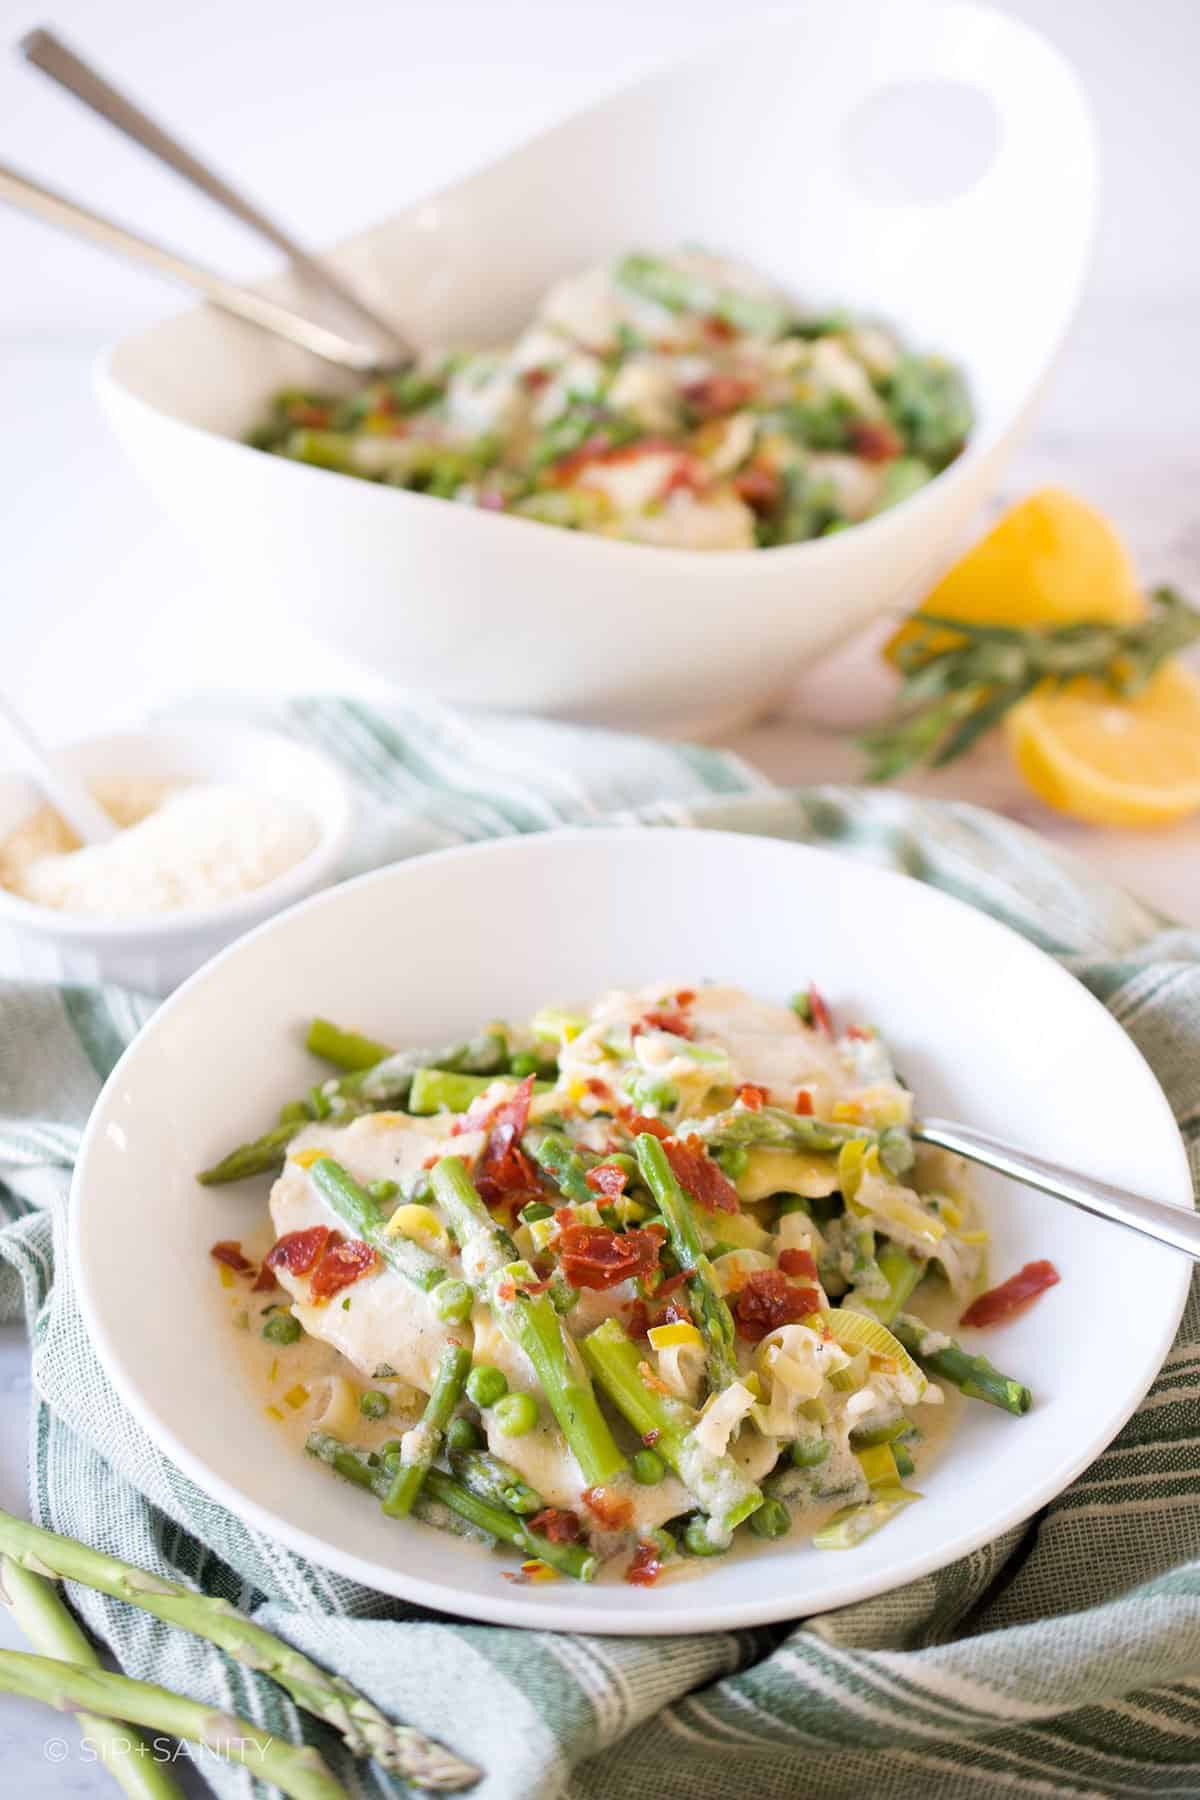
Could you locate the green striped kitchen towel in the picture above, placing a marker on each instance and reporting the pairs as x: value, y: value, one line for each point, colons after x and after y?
x: 1062, y: 1660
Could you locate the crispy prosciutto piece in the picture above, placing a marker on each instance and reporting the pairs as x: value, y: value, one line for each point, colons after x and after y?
x: 1012, y: 1296
x: 821, y: 1017
x: 503, y: 1169
x: 592, y: 1256
x: 875, y: 440
x: 767, y: 1300
x: 345, y: 1261
x: 608, y: 1180
x: 555, y: 1523
x: 646, y: 1566
x: 713, y: 396
x: 635, y: 1123
x: 613, y: 1511
x: 229, y: 1252
x: 699, y: 1176
x: 752, y: 1097
x: 299, y: 1251
x: 799, y: 1262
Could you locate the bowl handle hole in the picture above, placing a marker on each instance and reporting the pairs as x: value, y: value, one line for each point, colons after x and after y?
x: 921, y: 142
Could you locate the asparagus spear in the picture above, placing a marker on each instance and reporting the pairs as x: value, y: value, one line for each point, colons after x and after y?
x: 713, y: 1318
x: 352, y: 1203
x: 365, y: 1469
x: 975, y: 1375
x: 563, y: 1165
x: 50, y: 1628
x: 345, y: 1049
x: 490, y: 1265
x: 491, y: 1521
x: 495, y: 1481
x: 902, y: 1272
x: 424, y: 1442
x: 717, y: 1483
x: 773, y: 1128
x: 386, y: 1083
x: 366, y: 1731
x: 71, y: 1687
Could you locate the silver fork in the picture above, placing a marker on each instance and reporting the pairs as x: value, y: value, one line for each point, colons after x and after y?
x: 1173, y: 1225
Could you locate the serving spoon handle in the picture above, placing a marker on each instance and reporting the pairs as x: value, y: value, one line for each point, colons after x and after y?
x: 1172, y: 1225
x: 55, y: 209
x: 48, y: 53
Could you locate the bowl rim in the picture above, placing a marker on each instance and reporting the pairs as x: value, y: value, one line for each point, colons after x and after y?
x: 290, y: 885
x: 980, y: 444
x: 510, y: 1608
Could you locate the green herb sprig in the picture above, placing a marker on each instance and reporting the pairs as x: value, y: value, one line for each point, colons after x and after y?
x: 953, y: 693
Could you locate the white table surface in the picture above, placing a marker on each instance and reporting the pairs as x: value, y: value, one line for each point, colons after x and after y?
x: 105, y: 612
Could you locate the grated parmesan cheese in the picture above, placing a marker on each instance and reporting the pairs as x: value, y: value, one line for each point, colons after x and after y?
x: 182, y: 846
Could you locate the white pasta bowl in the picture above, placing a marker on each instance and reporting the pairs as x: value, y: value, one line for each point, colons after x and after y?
x: 985, y: 1028
x: 933, y: 164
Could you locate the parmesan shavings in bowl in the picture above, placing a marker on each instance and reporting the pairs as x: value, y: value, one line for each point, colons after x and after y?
x: 186, y: 846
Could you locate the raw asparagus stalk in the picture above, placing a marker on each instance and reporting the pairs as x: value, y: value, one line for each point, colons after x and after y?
x: 975, y: 1375
x: 713, y: 1318
x: 297, y: 1770
x: 352, y: 1203
x: 717, y: 1483
x: 345, y: 1049
x: 366, y: 1730
x: 386, y: 1083
x: 490, y: 1265
x: 495, y: 1481
x: 441, y: 1489
x: 425, y: 1441
x: 51, y: 1629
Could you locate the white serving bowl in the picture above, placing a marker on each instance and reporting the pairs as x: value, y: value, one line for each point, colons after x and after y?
x: 823, y: 148
x: 984, y: 1026
x: 155, y: 953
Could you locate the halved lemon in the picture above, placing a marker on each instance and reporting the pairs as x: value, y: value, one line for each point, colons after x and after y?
x: 1113, y: 762
x: 1052, y: 560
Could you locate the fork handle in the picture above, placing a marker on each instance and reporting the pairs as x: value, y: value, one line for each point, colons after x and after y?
x: 1174, y: 1225
x: 56, y: 59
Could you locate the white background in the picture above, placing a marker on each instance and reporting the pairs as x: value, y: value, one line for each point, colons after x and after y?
x: 332, y: 115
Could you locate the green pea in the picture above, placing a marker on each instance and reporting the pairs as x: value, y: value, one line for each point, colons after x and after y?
x: 810, y: 1452
x: 374, y: 1404
x: 734, y: 1160
x: 485, y: 1384
x: 648, y: 1468
x: 391, y: 1447
x: 772, y: 1520
x: 801, y: 1005
x: 383, y: 1190
x: 515, y: 1414
x: 452, y: 1302
x: 696, y: 1540
x: 794, y: 1203
x: 463, y: 1434
x: 281, y: 1328
x: 523, y: 1063
x: 662, y: 1540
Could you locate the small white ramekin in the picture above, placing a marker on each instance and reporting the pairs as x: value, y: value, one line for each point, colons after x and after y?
x: 157, y: 951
